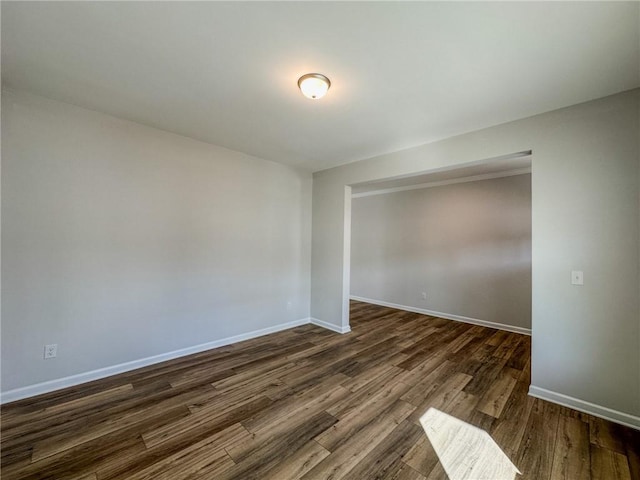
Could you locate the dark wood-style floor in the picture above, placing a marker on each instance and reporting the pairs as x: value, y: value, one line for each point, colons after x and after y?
x: 308, y: 403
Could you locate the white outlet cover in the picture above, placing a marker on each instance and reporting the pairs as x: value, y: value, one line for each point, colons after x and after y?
x: 51, y: 351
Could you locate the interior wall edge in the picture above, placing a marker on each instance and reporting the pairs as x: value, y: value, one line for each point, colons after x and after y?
x: 447, y: 316
x: 330, y: 326
x: 599, y: 411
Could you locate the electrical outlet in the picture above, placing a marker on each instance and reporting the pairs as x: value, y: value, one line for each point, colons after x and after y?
x: 51, y: 351
x: 424, y: 295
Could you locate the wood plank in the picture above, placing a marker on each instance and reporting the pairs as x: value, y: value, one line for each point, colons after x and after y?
x: 275, y: 434
x: 508, y: 346
x: 521, y: 354
x: 50, y: 447
x: 129, y: 462
x: 385, y: 458
x: 326, y: 392
x: 205, y: 419
x: 497, y: 338
x: 24, y: 435
x: 422, y: 457
x: 90, y: 456
x: 309, y: 407
x: 205, y: 457
x: 536, y: 453
x: 439, y: 473
x: 269, y: 449
x: 345, y: 458
x: 419, y: 373
x: 493, y: 402
x: 461, y: 406
x: 401, y: 471
x: 508, y: 431
x: 632, y: 441
x: 90, y: 476
x: 97, y: 397
x: 373, y: 374
x: 359, y: 418
x: 362, y: 395
x: 299, y: 463
x: 429, y: 383
x: 484, y: 369
x: 442, y: 396
x: 571, y: 459
x: 608, y: 465
x: 606, y: 435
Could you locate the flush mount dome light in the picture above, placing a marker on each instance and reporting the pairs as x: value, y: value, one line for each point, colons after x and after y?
x: 314, y: 85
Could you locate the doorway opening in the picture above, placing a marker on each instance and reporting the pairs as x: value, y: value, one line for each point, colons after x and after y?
x: 453, y: 243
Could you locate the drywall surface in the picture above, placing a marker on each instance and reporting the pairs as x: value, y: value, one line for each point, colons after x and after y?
x: 121, y: 242
x: 585, y: 205
x: 466, y: 246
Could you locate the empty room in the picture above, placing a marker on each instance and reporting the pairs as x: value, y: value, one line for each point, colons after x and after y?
x: 320, y: 240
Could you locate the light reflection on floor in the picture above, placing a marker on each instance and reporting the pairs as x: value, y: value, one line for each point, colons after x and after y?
x: 466, y: 452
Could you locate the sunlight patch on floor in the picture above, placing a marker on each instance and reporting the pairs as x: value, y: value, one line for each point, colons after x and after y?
x: 465, y: 451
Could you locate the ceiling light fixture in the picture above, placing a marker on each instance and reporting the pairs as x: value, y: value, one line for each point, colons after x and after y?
x: 314, y: 85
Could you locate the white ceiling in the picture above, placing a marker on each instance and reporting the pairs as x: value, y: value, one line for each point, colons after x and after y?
x: 402, y: 74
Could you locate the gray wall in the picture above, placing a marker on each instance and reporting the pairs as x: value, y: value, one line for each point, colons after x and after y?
x: 121, y: 242
x: 585, y: 216
x: 467, y: 246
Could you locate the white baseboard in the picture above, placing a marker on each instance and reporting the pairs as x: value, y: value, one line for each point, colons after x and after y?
x: 586, y: 407
x: 330, y: 326
x: 57, y: 384
x: 448, y: 316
